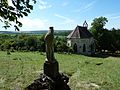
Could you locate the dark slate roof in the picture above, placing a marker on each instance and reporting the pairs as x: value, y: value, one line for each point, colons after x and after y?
x: 80, y: 32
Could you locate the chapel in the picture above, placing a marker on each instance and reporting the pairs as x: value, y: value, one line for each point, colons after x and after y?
x: 81, y: 40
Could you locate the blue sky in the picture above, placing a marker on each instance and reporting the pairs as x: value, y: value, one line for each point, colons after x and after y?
x: 67, y: 14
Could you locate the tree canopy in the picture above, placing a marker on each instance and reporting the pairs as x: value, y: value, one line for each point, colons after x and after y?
x: 12, y: 13
x: 105, y: 39
x: 99, y: 23
x: 98, y: 30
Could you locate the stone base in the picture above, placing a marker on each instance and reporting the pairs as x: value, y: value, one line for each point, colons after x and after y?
x: 46, y: 83
x: 51, y: 69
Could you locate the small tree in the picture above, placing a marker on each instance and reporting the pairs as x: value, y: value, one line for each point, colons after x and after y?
x: 12, y: 13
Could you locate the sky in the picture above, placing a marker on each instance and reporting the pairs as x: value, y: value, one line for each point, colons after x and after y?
x: 67, y: 14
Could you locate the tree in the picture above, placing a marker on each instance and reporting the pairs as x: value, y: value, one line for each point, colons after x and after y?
x: 105, y: 40
x: 99, y: 23
x: 31, y: 42
x: 98, y: 30
x: 6, y: 45
x: 115, y: 44
x: 60, y: 44
x: 19, y: 9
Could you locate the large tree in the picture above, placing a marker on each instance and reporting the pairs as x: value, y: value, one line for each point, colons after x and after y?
x: 98, y: 30
x: 12, y: 13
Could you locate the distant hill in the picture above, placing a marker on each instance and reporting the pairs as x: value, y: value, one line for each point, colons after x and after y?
x: 8, y: 32
x: 34, y: 32
x: 19, y: 32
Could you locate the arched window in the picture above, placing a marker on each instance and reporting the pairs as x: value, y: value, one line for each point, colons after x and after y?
x: 75, y: 48
x: 84, y: 48
x: 92, y: 47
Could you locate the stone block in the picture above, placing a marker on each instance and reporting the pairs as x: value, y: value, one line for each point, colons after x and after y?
x: 51, y: 69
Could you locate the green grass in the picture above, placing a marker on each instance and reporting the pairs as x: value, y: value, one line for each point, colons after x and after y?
x: 19, y: 69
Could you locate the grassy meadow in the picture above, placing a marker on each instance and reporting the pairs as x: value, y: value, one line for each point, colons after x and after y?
x: 19, y: 69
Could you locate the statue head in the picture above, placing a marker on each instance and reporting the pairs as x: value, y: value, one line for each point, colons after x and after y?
x: 51, y: 29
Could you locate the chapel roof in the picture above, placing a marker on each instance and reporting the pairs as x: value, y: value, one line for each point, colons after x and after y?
x: 80, y: 32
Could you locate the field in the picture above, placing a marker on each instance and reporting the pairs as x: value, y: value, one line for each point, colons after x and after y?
x: 19, y: 69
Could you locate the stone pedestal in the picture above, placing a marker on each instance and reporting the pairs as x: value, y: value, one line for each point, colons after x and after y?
x: 51, y: 69
x: 47, y: 83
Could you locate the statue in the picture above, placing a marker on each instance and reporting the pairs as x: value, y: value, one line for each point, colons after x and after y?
x: 51, y: 79
x: 49, y: 37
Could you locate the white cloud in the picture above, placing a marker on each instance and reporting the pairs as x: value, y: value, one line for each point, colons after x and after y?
x: 113, y: 16
x: 44, y: 5
x: 65, y: 4
x: 113, y: 20
x: 85, y: 6
x: 116, y: 17
x: 30, y: 24
x: 33, y: 24
x: 89, y: 4
x: 66, y: 20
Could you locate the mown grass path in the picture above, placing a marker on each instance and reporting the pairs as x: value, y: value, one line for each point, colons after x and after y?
x: 86, y: 73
